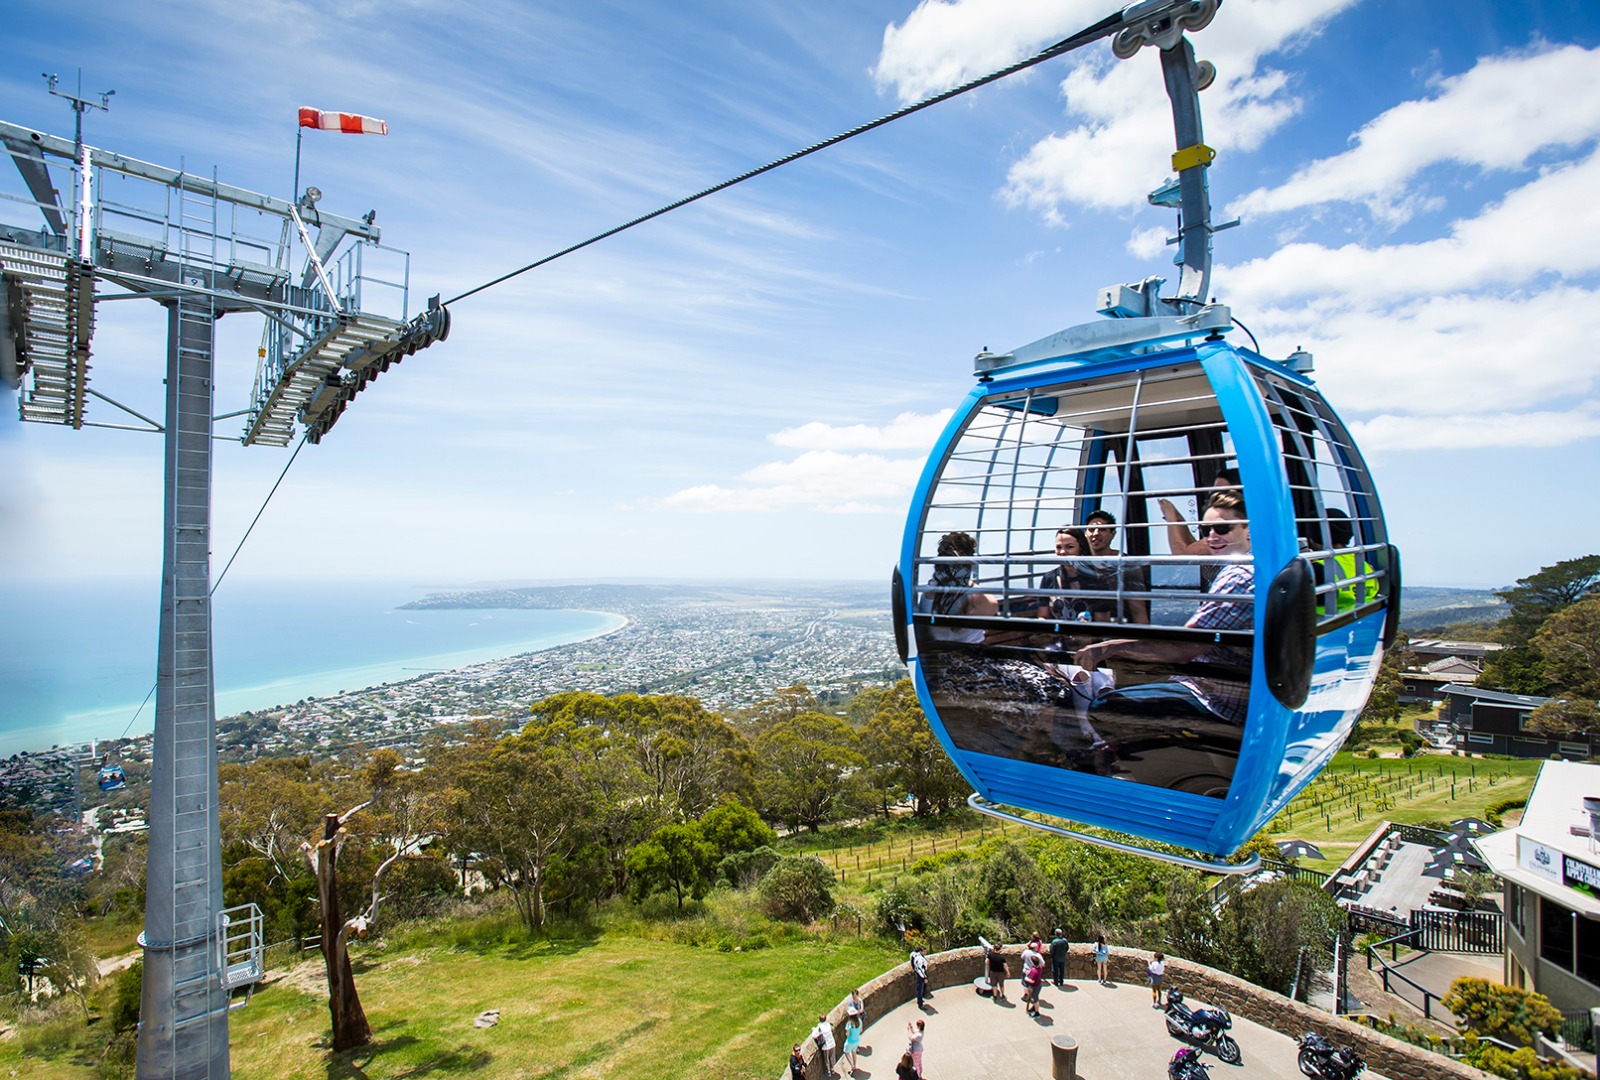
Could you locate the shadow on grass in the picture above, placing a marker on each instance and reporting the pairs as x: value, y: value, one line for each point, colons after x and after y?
x: 353, y: 1064
x: 602, y: 1050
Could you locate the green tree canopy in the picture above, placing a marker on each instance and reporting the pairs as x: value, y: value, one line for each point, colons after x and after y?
x: 676, y: 857
x: 1539, y: 595
x: 906, y: 756
x: 731, y: 827
x: 1569, y: 641
x: 808, y: 767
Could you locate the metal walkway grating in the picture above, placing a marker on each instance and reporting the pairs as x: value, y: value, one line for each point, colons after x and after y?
x: 280, y: 401
x: 57, y: 306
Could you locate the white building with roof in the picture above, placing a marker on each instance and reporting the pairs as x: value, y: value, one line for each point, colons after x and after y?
x: 1550, y: 864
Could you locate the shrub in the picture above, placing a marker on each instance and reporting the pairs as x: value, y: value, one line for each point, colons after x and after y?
x: 798, y: 887
x: 1495, y: 813
x: 1522, y: 1064
x: 1503, y: 1012
x: 742, y: 869
x: 125, y: 997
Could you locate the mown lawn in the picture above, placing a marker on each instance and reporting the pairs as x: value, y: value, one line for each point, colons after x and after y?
x: 608, y: 1006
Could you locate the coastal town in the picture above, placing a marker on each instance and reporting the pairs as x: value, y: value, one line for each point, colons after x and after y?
x: 730, y: 646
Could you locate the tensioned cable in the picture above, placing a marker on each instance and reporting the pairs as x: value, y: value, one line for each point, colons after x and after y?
x: 1101, y: 29
x: 237, y: 548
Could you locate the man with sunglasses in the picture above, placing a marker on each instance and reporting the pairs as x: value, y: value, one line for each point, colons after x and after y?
x: 1225, y: 531
x: 1100, y: 527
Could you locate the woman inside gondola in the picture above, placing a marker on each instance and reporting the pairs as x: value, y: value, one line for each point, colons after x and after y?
x: 1195, y: 717
x: 1073, y: 576
x: 992, y: 699
x: 951, y: 589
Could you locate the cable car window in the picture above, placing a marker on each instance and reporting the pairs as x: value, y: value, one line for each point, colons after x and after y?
x: 1015, y: 629
x: 1336, y: 511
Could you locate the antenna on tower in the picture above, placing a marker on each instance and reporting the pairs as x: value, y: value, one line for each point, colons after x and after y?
x: 79, y: 103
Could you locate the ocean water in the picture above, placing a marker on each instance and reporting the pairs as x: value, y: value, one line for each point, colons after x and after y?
x: 76, y: 661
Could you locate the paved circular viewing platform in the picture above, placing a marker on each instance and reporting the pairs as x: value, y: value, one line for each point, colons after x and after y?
x: 1119, y: 1034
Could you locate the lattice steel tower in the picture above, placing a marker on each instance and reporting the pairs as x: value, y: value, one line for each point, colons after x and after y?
x: 183, y: 240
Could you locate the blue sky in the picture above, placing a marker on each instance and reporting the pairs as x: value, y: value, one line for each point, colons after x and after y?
x: 745, y: 388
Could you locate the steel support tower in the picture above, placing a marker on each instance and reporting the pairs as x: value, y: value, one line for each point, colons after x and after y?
x: 186, y: 245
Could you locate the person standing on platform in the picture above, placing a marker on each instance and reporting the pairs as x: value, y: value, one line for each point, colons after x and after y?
x: 1032, y: 983
x: 1058, y: 959
x: 914, y: 1032
x: 852, y: 1042
x: 1102, y: 960
x: 823, y: 1034
x: 1156, y: 969
x: 919, y: 971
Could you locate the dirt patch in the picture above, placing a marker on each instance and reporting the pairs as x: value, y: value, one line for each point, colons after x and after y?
x: 308, y: 977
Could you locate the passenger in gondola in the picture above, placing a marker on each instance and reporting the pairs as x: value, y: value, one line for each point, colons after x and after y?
x: 1190, y: 707
x: 1100, y: 528
x: 1341, y: 532
x: 950, y: 593
x: 1180, y: 541
x: 1072, y: 576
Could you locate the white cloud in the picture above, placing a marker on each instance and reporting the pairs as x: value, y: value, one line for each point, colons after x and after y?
x: 908, y: 431
x: 1121, y: 148
x: 1477, y: 431
x: 824, y: 477
x: 1148, y: 243
x: 1543, y: 227
x: 1497, y: 115
x: 818, y: 480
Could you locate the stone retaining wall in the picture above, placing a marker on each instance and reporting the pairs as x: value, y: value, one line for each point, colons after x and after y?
x: 1389, y: 1056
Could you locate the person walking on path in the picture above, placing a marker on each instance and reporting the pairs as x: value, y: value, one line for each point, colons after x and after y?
x: 919, y: 971
x: 1102, y: 960
x: 852, y: 1042
x: 914, y: 1033
x: 1032, y: 983
x: 823, y: 1033
x: 1155, y: 970
x: 1058, y: 959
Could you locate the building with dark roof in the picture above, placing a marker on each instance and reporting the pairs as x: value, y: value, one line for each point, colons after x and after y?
x: 1494, y: 722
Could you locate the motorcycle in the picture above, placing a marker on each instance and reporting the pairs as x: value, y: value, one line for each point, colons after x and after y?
x: 1187, y: 1064
x: 1320, y: 1060
x: 1208, y: 1027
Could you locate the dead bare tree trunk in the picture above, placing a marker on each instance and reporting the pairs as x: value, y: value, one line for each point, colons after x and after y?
x: 350, y: 1027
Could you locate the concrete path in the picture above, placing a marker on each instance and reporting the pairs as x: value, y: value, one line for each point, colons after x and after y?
x: 969, y: 1037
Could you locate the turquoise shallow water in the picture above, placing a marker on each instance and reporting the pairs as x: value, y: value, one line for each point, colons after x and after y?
x: 77, y: 660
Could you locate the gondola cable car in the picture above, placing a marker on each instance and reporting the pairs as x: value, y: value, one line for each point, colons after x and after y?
x: 1183, y: 687
x: 111, y: 776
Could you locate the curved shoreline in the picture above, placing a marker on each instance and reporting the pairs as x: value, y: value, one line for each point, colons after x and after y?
x: 111, y: 723
x: 464, y: 668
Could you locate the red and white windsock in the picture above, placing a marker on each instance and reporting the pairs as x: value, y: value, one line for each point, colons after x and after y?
x: 349, y: 123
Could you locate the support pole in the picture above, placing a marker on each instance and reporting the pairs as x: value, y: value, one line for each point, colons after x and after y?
x: 183, y: 1030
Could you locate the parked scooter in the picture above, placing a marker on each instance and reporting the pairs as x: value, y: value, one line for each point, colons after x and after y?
x: 1187, y: 1064
x: 1207, y: 1027
x: 1320, y: 1060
